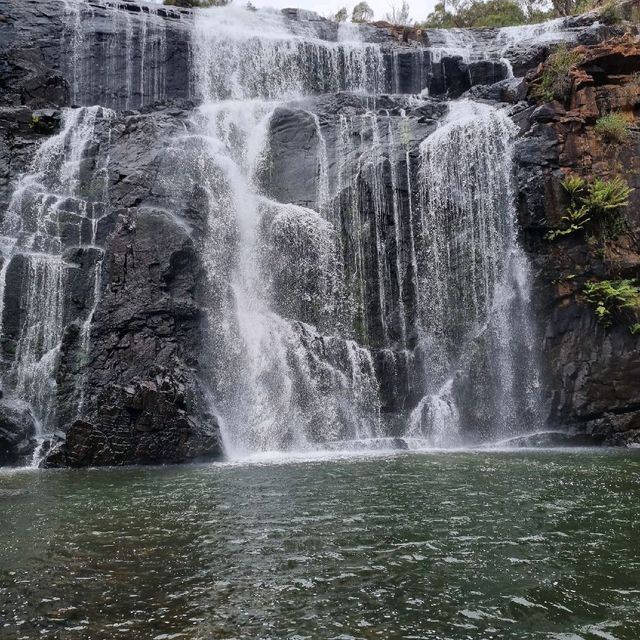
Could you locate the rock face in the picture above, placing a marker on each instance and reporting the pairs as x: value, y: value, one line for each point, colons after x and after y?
x: 593, y: 370
x: 129, y: 333
x: 107, y: 232
x: 17, y: 434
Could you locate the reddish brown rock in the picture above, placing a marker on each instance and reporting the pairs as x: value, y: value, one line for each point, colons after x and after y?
x: 593, y: 371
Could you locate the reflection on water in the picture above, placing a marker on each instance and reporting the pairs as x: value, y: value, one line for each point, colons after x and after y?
x: 456, y: 545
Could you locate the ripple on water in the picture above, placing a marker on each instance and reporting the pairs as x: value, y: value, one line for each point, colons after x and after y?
x: 449, y: 546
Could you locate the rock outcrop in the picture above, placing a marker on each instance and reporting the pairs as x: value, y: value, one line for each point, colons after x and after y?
x: 17, y: 434
x: 593, y: 370
x: 131, y: 367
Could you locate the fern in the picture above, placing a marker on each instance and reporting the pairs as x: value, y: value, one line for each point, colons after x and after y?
x: 573, y: 185
x: 607, y: 195
x: 609, y: 296
x: 598, y: 201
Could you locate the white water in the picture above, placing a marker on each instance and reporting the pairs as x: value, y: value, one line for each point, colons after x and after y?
x: 499, y: 44
x: 290, y: 385
x: 287, y: 384
x: 125, y: 67
x: 473, y: 272
x: 304, y: 299
x: 57, y: 203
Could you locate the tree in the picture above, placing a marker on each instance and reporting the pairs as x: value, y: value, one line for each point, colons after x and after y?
x: 494, y: 13
x: 564, y: 7
x: 362, y: 12
x: 476, y: 13
x: 342, y: 15
x: 535, y: 10
x: 399, y: 16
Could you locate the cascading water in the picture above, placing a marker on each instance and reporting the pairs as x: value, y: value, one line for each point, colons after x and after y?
x: 374, y: 295
x: 496, y: 43
x: 472, y: 272
x: 57, y: 204
x: 287, y: 383
x: 130, y: 53
x: 290, y: 299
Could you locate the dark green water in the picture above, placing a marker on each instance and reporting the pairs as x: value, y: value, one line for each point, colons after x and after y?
x: 466, y: 545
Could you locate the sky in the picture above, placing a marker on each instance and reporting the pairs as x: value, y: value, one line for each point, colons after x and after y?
x: 419, y: 8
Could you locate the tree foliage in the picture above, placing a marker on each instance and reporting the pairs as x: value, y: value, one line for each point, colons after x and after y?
x: 341, y: 15
x: 501, y: 13
x: 362, y: 12
x: 399, y: 15
x: 475, y: 13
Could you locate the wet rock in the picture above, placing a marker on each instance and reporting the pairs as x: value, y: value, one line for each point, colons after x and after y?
x: 146, y: 422
x: 510, y: 90
x: 129, y: 379
x: 17, y: 433
x: 592, y: 370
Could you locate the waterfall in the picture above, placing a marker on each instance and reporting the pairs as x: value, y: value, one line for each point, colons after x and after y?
x: 56, y: 205
x: 244, y: 54
x: 370, y: 287
x: 302, y: 298
x: 290, y: 379
x: 473, y: 273
x: 130, y: 52
x: 496, y: 43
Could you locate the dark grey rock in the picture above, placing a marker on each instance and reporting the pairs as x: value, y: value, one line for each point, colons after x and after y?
x: 17, y: 433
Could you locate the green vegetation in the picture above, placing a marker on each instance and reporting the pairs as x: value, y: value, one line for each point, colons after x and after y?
x: 555, y: 71
x: 611, y: 297
x: 574, y: 219
x: 598, y: 202
x: 610, y: 14
x: 475, y: 14
x: 341, y: 15
x: 40, y: 126
x: 362, y: 12
x: 573, y: 185
x: 613, y: 127
x: 607, y: 195
x: 505, y: 13
x: 399, y: 15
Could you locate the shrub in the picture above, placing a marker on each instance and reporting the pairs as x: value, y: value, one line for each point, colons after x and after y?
x: 599, y: 202
x: 555, y: 70
x: 604, y: 199
x: 575, y: 219
x: 612, y: 127
x: 573, y: 185
x: 607, y: 195
x: 41, y: 125
x: 362, y: 12
x: 609, y: 14
x: 341, y: 15
x: 614, y: 296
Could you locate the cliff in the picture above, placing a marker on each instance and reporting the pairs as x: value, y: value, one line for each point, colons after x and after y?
x: 122, y: 238
x: 593, y: 368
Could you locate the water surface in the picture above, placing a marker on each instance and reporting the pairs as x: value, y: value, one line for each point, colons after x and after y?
x: 458, y: 545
